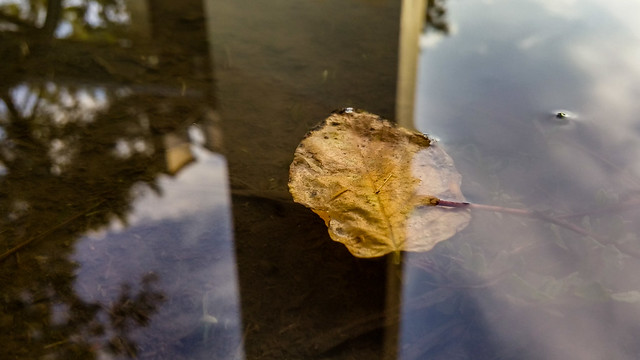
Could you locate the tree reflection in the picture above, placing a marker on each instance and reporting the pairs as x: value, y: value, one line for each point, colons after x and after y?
x: 62, y: 177
x: 132, y: 311
x: 436, y: 17
x: 78, y: 19
x: 58, y: 324
x: 75, y: 144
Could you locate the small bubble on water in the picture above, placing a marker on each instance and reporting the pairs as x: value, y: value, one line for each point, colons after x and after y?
x: 562, y: 117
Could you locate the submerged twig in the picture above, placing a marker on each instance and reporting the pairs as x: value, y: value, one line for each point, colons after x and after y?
x: 608, y: 209
x: 25, y: 243
x: 522, y: 212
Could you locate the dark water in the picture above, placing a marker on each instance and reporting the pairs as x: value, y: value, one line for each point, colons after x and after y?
x: 144, y: 154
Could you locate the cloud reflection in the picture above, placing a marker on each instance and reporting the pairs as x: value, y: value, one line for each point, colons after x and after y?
x: 531, y: 289
x: 182, y: 235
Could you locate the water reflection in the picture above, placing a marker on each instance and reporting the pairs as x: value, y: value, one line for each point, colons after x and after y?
x: 104, y: 253
x: 281, y: 68
x: 184, y: 237
x: 79, y: 19
x: 109, y: 187
x: 521, y: 288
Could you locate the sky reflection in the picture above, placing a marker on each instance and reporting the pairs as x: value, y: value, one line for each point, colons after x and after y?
x: 535, y: 290
x: 183, y: 236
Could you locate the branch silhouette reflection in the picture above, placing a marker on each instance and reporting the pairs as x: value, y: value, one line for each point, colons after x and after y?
x: 95, y: 124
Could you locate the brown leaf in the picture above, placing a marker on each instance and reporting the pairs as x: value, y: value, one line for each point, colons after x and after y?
x: 375, y: 185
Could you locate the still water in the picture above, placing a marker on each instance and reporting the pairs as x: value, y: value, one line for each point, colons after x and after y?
x: 144, y: 157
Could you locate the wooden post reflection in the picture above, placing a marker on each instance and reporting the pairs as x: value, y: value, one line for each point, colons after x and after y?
x: 411, y: 23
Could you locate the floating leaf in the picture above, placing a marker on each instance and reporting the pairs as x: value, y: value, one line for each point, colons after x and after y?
x: 376, y: 184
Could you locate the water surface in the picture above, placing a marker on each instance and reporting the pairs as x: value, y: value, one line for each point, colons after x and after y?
x: 144, y: 157
x: 535, y: 101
